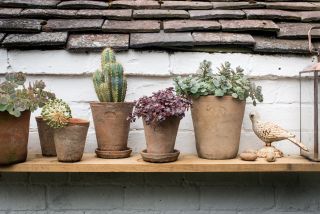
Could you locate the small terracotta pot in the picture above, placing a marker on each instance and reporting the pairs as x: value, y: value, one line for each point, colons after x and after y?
x: 217, y: 125
x: 70, y: 140
x: 111, y: 124
x: 14, y: 135
x: 161, y: 138
x: 46, y: 138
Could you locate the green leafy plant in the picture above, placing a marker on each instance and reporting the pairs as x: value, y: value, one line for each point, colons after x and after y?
x: 16, y: 98
x: 227, y: 82
x: 56, y: 113
x: 110, y: 84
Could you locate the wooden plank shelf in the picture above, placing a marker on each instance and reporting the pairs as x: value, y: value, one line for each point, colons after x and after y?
x: 186, y: 163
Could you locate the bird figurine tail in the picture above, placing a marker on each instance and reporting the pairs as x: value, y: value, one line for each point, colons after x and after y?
x: 298, y: 143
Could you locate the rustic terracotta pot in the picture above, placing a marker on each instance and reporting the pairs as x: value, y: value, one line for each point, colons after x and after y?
x: 161, y: 138
x: 14, y: 134
x: 70, y: 140
x: 46, y: 138
x: 217, y: 125
x: 111, y: 124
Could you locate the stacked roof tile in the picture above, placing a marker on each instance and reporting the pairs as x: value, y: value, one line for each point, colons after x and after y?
x: 266, y: 26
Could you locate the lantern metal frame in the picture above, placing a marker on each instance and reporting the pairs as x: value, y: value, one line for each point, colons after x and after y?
x: 315, y: 69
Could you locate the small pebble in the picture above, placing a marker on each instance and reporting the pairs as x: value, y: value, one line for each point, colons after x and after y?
x: 271, y: 157
x: 248, y: 156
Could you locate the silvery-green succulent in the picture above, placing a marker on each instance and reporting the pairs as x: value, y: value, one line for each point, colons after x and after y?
x: 227, y: 82
x: 16, y: 98
x: 56, y: 113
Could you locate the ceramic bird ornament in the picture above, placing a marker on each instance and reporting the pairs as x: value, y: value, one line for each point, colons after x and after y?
x: 270, y: 132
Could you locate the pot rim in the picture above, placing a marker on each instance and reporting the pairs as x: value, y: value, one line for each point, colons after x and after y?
x: 218, y: 97
x: 97, y: 103
x: 78, y: 121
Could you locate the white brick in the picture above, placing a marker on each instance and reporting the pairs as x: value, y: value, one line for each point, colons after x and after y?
x: 3, y: 61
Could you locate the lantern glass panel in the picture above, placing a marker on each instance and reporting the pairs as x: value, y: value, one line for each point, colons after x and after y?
x: 309, y: 113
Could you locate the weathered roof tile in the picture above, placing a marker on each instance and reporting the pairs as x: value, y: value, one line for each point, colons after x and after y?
x: 186, y: 5
x: 73, y: 25
x: 83, y: 4
x: 135, y: 26
x: 96, y: 42
x: 312, y: 16
x: 237, y: 5
x: 272, y: 14
x: 42, y: 39
x: 272, y: 45
x: 222, y: 39
x: 135, y: 4
x: 10, y: 12
x: 248, y: 25
x: 296, y: 30
x: 140, y: 40
x: 190, y: 25
x: 20, y: 25
x: 160, y: 14
x: 48, y: 13
x: 292, y: 6
x: 2, y: 35
x: 29, y: 3
x: 216, y: 14
x: 124, y: 14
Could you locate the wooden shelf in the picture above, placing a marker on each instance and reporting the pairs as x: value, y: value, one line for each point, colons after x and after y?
x: 186, y: 163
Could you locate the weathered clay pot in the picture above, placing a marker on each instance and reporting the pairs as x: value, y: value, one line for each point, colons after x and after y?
x: 161, y: 138
x: 14, y: 134
x: 46, y: 138
x: 70, y: 140
x: 111, y: 124
x: 217, y: 125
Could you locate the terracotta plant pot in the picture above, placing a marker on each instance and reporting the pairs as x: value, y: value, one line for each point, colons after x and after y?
x: 46, y: 138
x: 112, y: 125
x: 217, y: 125
x: 162, y: 137
x: 14, y: 135
x: 70, y: 140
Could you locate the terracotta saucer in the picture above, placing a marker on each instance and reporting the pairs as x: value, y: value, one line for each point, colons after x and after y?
x: 160, y: 158
x: 113, y: 154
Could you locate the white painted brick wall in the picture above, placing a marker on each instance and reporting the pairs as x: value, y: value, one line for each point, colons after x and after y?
x: 67, y: 74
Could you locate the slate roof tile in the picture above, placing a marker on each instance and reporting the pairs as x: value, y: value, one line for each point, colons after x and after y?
x: 312, y: 16
x: 20, y: 25
x: 48, y: 13
x: 191, y: 25
x: 222, y: 39
x: 237, y: 5
x: 83, y: 4
x: 29, y: 3
x: 2, y: 35
x: 96, y: 42
x: 272, y: 14
x: 135, y: 4
x: 134, y: 26
x: 248, y: 25
x: 296, y: 30
x: 121, y: 14
x: 10, y: 12
x: 73, y: 25
x: 292, y: 6
x: 182, y: 5
x: 160, y: 14
x: 216, y: 14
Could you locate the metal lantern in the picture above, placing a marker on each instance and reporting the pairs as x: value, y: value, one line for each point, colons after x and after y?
x: 309, y: 105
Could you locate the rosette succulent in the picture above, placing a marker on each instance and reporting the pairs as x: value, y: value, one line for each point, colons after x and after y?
x: 15, y: 97
x: 160, y: 106
x: 227, y: 82
x: 56, y: 113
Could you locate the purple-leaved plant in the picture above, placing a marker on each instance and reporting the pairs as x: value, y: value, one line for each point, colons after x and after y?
x: 160, y: 106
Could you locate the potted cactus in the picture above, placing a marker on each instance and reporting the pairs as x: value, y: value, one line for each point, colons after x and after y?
x: 161, y: 114
x: 218, y: 104
x: 111, y: 113
x: 17, y: 101
x: 69, y: 133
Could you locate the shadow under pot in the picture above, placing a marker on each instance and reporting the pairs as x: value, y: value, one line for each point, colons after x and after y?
x: 14, y: 135
x: 70, y: 140
x: 160, y: 139
x: 46, y: 138
x: 112, y: 128
x: 217, y: 125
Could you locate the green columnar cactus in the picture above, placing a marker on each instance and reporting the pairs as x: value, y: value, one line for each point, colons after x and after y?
x: 56, y: 113
x: 110, y: 84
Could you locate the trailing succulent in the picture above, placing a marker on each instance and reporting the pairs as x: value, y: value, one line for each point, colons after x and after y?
x: 110, y: 84
x: 16, y: 98
x: 160, y: 106
x: 227, y: 82
x: 56, y: 113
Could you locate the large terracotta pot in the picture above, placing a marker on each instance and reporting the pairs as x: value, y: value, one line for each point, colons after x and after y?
x: 161, y: 138
x: 14, y: 135
x: 70, y: 140
x: 217, y: 125
x: 111, y: 124
x: 46, y: 138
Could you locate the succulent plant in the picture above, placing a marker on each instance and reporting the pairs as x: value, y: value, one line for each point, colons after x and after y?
x: 110, y: 84
x: 160, y: 106
x: 56, y: 113
x: 227, y: 82
x: 15, y: 97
